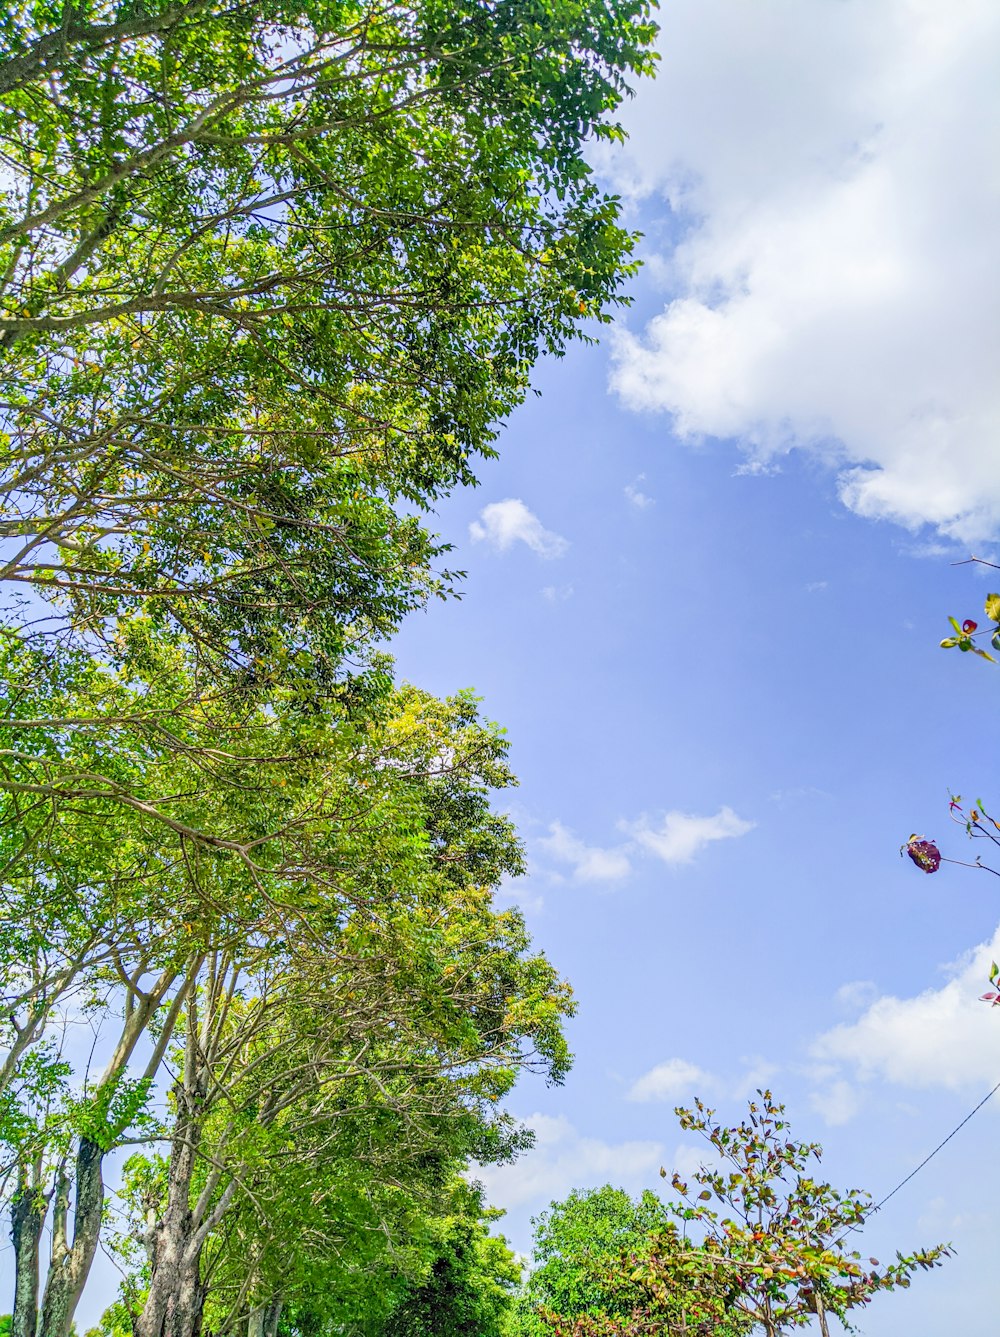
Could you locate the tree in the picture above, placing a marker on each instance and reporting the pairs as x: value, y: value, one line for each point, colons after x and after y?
x: 770, y: 1258
x: 468, y: 1285
x: 357, y: 1003
x: 271, y: 275
x: 270, y: 269
x: 577, y: 1243
x: 975, y: 819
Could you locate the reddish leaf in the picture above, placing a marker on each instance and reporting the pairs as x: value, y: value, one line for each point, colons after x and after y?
x: 924, y: 853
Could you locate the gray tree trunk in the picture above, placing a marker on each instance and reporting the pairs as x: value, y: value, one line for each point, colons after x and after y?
x: 27, y: 1217
x: 176, y: 1296
x: 70, y: 1263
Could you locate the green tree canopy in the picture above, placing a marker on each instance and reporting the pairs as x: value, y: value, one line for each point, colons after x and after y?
x: 269, y: 269
x: 577, y: 1243
x: 468, y: 1282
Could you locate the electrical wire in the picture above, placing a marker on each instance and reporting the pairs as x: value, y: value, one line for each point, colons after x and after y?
x: 903, y: 1182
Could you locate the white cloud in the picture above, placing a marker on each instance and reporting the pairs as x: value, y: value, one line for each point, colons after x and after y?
x: 942, y: 1037
x: 669, y: 1081
x: 857, y: 994
x: 557, y: 594
x: 837, y: 287
x: 563, y: 1159
x: 680, y: 835
x: 756, y: 1077
x: 676, y: 840
x: 590, y: 863
x: 675, y: 1079
x: 638, y: 498
x: 520, y: 892
x: 504, y: 523
x: 837, y: 1103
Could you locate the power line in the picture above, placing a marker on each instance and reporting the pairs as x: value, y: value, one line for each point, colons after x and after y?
x: 930, y: 1157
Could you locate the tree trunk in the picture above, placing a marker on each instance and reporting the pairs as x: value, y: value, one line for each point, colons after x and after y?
x: 27, y: 1216
x: 70, y: 1264
x: 176, y: 1296
x: 263, y: 1321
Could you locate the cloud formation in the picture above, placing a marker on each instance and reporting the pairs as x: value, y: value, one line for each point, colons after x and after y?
x: 942, y: 1037
x: 501, y: 524
x: 563, y: 1159
x: 836, y: 1101
x: 590, y: 863
x: 639, y: 499
x: 557, y: 594
x: 670, y: 1081
x: 681, y: 835
x: 677, y: 839
x: 833, y: 167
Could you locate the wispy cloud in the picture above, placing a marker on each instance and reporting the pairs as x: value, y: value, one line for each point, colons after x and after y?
x: 589, y: 863
x: 670, y: 1081
x: 563, y: 1158
x: 640, y: 500
x: 856, y: 995
x: 557, y: 594
x: 679, y: 836
x: 675, y: 1080
x: 501, y: 524
x: 677, y: 839
x: 837, y: 1102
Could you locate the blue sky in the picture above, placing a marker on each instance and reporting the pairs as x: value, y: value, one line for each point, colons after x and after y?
x: 707, y: 577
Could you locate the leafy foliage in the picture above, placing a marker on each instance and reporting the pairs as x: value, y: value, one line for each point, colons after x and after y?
x: 771, y: 1256
x: 268, y: 270
x: 966, y: 632
x: 577, y: 1245
x: 272, y: 274
x: 469, y: 1281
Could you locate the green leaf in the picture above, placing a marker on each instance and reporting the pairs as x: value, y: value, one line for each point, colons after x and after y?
x: 950, y: 642
x: 992, y: 606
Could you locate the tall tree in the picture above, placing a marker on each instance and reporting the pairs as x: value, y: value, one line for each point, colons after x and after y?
x: 357, y: 999
x: 469, y: 1283
x: 268, y: 269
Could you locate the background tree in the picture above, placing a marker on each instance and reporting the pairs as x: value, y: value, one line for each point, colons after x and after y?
x: 468, y: 1283
x: 577, y: 1244
x: 271, y: 275
x: 772, y: 1256
x: 365, y: 1008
